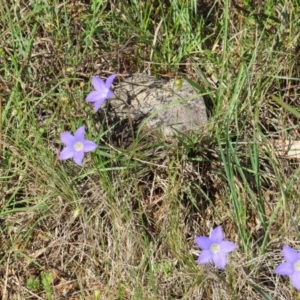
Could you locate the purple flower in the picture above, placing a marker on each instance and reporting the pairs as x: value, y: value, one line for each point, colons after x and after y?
x: 214, y: 248
x: 76, y: 145
x: 102, y: 91
x: 291, y: 267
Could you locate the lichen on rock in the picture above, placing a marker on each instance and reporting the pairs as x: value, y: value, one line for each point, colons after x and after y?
x: 151, y: 103
x: 162, y: 103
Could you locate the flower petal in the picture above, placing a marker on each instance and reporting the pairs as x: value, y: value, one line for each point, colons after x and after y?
x: 98, y: 83
x: 285, y: 268
x: 110, y: 80
x: 89, y: 146
x: 66, y: 153
x: 203, y: 242
x: 98, y: 104
x: 296, y: 280
x: 93, y: 96
x: 109, y: 94
x: 227, y: 247
x: 205, y: 257
x: 217, y: 235
x: 79, y: 133
x: 78, y: 157
x: 220, y: 260
x: 67, y: 138
x: 289, y: 254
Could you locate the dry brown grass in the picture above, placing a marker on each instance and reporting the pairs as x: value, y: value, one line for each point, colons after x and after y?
x: 140, y: 208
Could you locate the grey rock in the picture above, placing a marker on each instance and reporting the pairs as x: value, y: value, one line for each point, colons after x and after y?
x: 159, y: 103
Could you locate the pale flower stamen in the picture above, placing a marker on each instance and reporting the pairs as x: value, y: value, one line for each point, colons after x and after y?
x: 215, y: 248
x: 78, y: 146
x: 297, y: 265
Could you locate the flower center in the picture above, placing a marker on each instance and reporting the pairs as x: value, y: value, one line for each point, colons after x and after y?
x: 104, y: 92
x: 215, y: 248
x: 297, y: 265
x: 78, y: 146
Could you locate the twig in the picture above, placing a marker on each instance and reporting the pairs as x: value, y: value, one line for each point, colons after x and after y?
x: 155, y: 38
